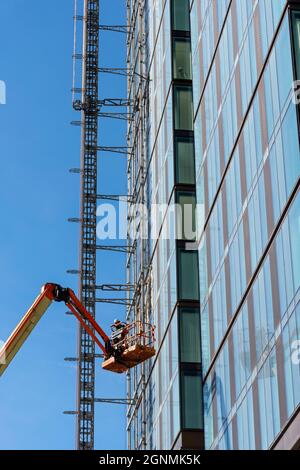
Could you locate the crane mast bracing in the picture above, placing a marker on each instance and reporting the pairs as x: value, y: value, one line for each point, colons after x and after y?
x: 87, y: 287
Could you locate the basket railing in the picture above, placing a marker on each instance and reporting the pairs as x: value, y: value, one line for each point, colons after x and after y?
x: 137, y: 333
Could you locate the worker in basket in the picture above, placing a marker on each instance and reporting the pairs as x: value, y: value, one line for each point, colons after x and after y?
x: 119, y: 333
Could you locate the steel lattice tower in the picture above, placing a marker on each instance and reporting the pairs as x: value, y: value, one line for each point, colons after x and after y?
x: 86, y: 364
x: 92, y: 109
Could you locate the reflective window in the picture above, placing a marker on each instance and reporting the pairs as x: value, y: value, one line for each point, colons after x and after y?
x: 184, y: 155
x: 296, y: 28
x: 287, y: 250
x: 183, y: 108
x: 188, y: 277
x: 263, y: 172
x: 241, y: 348
x: 181, y: 15
x: 294, y: 219
x: 187, y: 219
x: 245, y: 424
x: 290, y: 140
x: 175, y: 405
x: 191, y: 396
x: 295, y: 336
x: 182, y: 64
x: 289, y: 397
x: 284, y: 62
x: 189, y: 324
x: 268, y: 400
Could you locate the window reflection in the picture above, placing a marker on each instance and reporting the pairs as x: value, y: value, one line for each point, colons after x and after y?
x: 183, y: 108
x: 294, y: 219
x: 182, y: 65
x: 290, y: 141
x: 184, y: 156
x: 189, y: 321
x: 191, y: 390
x: 181, y: 15
x: 186, y: 221
x: 296, y: 30
x: 188, y: 276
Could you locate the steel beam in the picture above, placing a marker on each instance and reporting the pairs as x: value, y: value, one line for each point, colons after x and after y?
x: 116, y: 287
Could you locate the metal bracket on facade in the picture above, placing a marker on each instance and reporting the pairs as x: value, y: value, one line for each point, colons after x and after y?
x: 115, y: 197
x: 116, y: 287
x: 115, y: 401
x: 124, y: 302
x: 115, y: 28
x: 122, y: 71
x: 73, y: 271
x: 116, y: 248
x: 115, y: 71
x: 75, y: 171
x: 117, y: 150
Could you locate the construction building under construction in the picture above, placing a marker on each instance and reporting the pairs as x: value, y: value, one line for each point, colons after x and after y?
x: 210, y: 123
x: 159, y: 388
x: 203, y: 128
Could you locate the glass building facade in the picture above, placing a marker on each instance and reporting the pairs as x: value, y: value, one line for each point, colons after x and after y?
x: 216, y: 127
x: 245, y: 57
x: 167, y: 391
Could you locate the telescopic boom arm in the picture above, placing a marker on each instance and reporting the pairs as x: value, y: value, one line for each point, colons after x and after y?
x: 49, y: 293
x: 131, y: 345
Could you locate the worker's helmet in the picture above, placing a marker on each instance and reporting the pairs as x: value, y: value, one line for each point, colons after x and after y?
x: 116, y: 321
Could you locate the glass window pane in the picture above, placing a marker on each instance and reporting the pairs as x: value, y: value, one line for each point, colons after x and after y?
x: 284, y: 62
x: 175, y: 396
x: 191, y: 393
x: 184, y: 155
x: 181, y: 15
x: 296, y: 26
x: 188, y: 277
x: 294, y: 219
x: 186, y: 222
x: 290, y: 140
x: 189, y: 321
x: 182, y: 65
x: 287, y: 371
x: 183, y: 108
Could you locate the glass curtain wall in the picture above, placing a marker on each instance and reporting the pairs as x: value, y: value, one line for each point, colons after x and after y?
x: 247, y: 170
x: 185, y: 196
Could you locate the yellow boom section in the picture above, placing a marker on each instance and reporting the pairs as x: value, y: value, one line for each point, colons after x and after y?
x: 23, y: 330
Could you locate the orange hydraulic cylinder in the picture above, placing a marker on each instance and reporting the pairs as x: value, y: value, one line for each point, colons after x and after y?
x: 25, y: 327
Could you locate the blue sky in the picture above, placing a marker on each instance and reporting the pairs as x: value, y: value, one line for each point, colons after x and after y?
x: 37, y: 196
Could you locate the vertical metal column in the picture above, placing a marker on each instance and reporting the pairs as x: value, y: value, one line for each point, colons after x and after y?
x: 87, y: 288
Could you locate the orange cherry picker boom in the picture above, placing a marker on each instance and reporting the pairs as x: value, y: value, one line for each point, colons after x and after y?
x: 134, y: 345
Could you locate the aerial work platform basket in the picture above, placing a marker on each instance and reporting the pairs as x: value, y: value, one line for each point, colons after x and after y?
x: 135, y: 347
